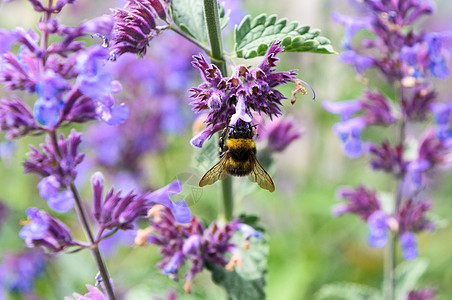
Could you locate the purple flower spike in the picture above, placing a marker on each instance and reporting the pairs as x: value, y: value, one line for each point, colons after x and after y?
x: 278, y: 134
x: 245, y: 92
x: 361, y: 201
x: 136, y: 26
x: 47, y: 162
x: 388, y: 158
x: 378, y: 225
x: 16, y: 118
x: 122, y: 211
x: 438, y: 66
x: 408, y: 242
x: 45, y: 231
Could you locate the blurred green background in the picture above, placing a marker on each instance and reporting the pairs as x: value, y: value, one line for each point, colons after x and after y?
x: 308, y: 246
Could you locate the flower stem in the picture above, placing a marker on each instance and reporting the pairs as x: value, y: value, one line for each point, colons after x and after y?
x: 81, y: 213
x: 216, y: 44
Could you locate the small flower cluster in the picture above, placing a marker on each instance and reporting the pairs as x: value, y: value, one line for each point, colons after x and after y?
x: 193, y: 242
x: 410, y: 218
x: 229, y: 99
x: 405, y: 58
x: 136, y: 26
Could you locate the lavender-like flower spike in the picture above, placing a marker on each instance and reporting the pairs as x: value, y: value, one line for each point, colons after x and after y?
x: 47, y: 162
x: 361, y: 201
x: 229, y: 99
x: 16, y: 118
x: 136, y: 26
x: 46, y: 231
x: 116, y: 210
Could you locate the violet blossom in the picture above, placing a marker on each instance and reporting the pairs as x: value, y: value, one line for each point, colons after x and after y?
x: 45, y: 231
x: 229, y: 99
x: 192, y: 243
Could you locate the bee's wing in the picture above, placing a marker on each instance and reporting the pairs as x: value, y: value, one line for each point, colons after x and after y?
x: 217, y: 172
x: 262, y: 178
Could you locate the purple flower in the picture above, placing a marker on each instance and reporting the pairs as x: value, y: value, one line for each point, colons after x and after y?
x: 350, y: 134
x: 249, y: 231
x: 16, y: 118
x: 411, y: 216
x: 344, y: 108
x: 94, y: 82
x: 136, y: 26
x: 378, y: 225
x: 19, y: 271
x: 278, y: 133
x: 93, y: 294
x: 48, y: 162
x: 424, y: 294
x: 7, y: 39
x: 49, y: 190
x: 437, y: 66
x: 408, y: 242
x: 115, y: 210
x: 44, y: 230
x: 361, y: 201
x: 360, y: 62
x: 388, y: 158
x: 191, y: 242
x: 245, y: 92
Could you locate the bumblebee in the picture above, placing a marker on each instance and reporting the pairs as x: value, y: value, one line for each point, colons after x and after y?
x: 237, y: 154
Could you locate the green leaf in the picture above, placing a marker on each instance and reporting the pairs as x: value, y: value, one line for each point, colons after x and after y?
x: 246, y: 282
x: 407, y: 275
x: 253, y: 37
x: 189, y: 16
x: 348, y: 291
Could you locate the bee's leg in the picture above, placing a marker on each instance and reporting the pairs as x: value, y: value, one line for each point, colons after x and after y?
x: 221, y: 146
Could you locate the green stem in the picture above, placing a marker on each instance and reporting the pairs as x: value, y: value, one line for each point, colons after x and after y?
x: 216, y: 44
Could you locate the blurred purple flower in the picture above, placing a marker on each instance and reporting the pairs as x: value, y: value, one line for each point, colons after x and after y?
x: 245, y: 92
x: 49, y: 190
x: 360, y: 62
x: 349, y: 133
x: 411, y: 216
x: 424, y: 294
x: 46, y: 231
x: 278, y: 133
x: 93, y: 294
x: 19, y: 271
x: 388, y: 158
x: 352, y: 26
x: 408, y: 242
x: 378, y: 225
x: 361, y: 201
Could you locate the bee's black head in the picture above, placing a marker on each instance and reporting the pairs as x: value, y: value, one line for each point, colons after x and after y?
x: 241, y: 130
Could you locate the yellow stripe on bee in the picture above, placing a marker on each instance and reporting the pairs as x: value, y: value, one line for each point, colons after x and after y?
x: 240, y: 144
